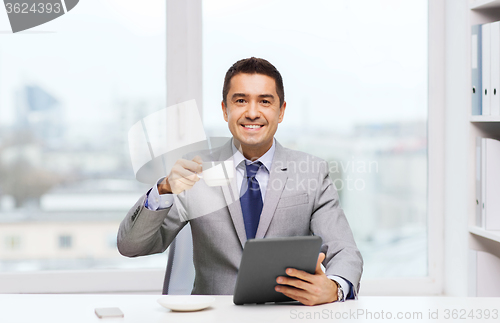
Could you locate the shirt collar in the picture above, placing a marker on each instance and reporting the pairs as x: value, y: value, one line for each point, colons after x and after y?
x: 266, y: 159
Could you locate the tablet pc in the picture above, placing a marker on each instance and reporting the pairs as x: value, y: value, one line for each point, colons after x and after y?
x: 264, y: 260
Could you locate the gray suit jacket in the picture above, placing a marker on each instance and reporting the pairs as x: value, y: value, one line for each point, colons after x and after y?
x: 300, y: 200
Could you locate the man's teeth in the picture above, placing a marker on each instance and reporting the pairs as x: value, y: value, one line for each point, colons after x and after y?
x: 252, y: 126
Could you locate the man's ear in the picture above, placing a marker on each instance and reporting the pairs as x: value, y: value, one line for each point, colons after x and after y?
x: 282, y: 112
x: 224, y: 110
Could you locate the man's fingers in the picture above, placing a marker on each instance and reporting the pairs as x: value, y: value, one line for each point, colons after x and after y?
x: 293, y: 293
x: 183, y: 181
x: 191, y: 165
x: 180, y: 184
x: 321, y: 257
x: 180, y: 172
x: 183, y: 175
x: 305, y: 275
x: 197, y: 159
x: 300, y: 274
x: 298, y: 283
x: 309, y: 289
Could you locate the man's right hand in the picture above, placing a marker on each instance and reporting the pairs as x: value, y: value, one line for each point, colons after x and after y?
x: 182, y: 176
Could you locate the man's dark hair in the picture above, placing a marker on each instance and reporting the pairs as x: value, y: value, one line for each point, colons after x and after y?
x: 254, y: 65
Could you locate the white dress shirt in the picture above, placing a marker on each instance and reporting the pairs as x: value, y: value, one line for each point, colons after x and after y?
x: 262, y: 175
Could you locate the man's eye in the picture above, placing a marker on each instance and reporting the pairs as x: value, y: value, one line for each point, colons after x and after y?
x: 266, y: 102
x: 240, y: 101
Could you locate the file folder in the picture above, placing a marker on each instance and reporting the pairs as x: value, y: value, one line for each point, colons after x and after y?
x: 491, y: 184
x: 476, y: 42
x: 486, y: 67
x: 479, y: 200
x: 495, y: 68
x: 483, y: 181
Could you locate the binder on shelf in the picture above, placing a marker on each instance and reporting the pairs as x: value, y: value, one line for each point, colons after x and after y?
x: 495, y: 68
x: 483, y: 182
x: 491, y: 184
x: 486, y: 68
x: 476, y: 70
x: 479, y: 200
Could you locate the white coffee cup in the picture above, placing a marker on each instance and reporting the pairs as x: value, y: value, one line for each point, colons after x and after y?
x: 217, y: 173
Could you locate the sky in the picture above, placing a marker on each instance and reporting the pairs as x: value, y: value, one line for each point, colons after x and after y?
x: 99, y: 52
x: 343, y: 62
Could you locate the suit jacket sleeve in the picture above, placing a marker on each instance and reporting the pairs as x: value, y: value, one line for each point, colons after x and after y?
x: 330, y: 223
x: 144, y: 232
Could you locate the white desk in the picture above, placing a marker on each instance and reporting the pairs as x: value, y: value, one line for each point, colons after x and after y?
x: 145, y: 309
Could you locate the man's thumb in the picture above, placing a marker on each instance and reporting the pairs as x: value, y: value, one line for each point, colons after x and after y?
x: 318, y: 264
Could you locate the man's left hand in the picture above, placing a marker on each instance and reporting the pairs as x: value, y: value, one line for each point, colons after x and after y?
x: 309, y: 289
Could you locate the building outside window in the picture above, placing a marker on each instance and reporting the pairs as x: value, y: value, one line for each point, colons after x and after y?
x: 12, y: 242
x: 65, y: 242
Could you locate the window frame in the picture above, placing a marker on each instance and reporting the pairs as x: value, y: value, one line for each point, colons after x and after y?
x: 434, y: 282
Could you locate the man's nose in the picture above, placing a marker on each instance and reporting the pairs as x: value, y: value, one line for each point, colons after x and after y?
x: 253, y: 111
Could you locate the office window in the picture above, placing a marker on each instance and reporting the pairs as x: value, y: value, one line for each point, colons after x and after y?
x: 355, y: 77
x: 70, y: 90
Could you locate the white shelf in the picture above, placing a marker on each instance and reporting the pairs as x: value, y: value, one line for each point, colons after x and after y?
x: 485, y: 118
x: 492, y: 235
x: 484, y: 4
x: 479, y: 239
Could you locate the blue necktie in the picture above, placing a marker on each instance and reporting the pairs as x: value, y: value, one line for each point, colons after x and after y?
x: 251, y: 201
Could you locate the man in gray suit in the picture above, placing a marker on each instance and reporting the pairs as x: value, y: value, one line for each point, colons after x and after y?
x: 276, y: 192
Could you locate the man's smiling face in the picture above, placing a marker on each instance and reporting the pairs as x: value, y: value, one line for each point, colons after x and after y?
x: 253, y: 112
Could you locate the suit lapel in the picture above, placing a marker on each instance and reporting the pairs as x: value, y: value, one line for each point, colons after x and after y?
x: 277, y: 180
x: 231, y: 194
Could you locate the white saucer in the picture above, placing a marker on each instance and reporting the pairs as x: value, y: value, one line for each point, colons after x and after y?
x: 186, y: 303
